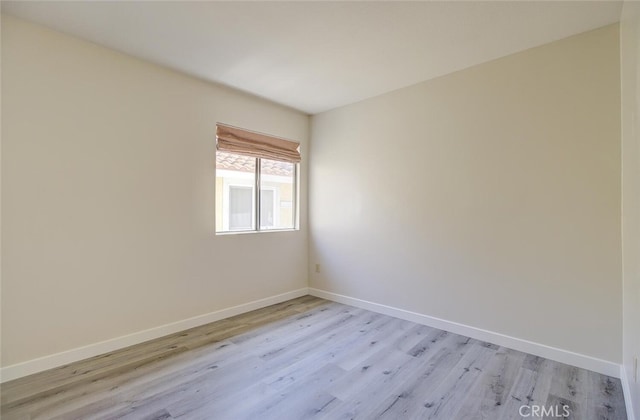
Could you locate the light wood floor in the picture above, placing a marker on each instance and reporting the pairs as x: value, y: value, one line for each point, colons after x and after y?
x: 309, y: 358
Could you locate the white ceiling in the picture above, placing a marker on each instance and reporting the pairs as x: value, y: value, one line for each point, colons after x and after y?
x: 315, y: 56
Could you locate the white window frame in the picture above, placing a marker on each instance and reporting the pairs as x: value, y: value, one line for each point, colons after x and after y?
x: 255, y: 211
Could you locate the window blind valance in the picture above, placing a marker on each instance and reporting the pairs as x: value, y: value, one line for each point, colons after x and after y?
x: 249, y: 143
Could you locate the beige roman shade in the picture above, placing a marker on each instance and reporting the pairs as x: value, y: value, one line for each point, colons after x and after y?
x: 249, y: 143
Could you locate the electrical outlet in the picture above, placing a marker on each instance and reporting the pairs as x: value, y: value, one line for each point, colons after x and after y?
x: 317, y: 268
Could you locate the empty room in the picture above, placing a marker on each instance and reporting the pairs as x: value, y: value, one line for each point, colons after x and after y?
x: 320, y: 209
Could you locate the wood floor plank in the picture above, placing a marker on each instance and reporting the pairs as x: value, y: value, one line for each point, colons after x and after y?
x: 370, y: 344
x: 59, y: 391
x: 558, y: 407
x: 302, y: 399
x: 604, y: 395
x: 415, y: 379
x: 569, y: 384
x: 365, y: 397
x: 446, y: 399
x: 142, y: 390
x: 414, y: 335
x: 530, y: 388
x: 168, y: 372
x: 310, y: 358
x: 377, y: 371
x: 492, y: 389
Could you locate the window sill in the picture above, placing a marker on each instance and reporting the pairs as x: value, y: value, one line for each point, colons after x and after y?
x: 249, y: 232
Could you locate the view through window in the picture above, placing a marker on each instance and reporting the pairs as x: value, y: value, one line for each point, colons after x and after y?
x: 240, y: 207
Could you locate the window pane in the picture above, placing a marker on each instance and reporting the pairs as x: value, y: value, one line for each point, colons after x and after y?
x: 235, y: 192
x: 277, y: 194
x: 267, y: 201
x: 240, y: 207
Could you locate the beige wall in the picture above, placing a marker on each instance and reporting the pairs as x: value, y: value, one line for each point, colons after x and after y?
x: 488, y: 197
x: 630, y: 72
x: 108, y: 196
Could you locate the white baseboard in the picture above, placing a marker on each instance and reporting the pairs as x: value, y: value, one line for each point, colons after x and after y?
x: 59, y: 359
x: 548, y: 352
x: 627, y: 393
x: 55, y: 360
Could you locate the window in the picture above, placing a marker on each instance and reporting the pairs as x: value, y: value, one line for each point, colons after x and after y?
x: 255, y: 185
